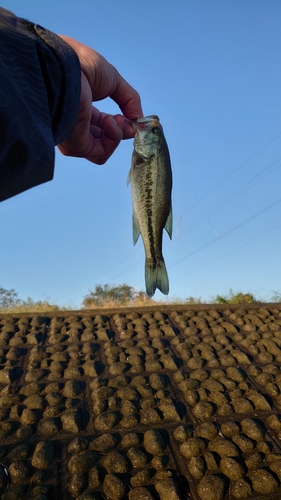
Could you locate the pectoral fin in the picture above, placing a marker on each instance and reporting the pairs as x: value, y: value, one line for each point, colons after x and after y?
x: 169, y: 223
x: 136, y: 231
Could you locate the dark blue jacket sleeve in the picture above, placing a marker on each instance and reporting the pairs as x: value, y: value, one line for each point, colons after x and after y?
x: 40, y: 82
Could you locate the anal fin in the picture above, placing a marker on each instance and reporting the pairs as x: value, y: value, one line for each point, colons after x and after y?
x: 136, y: 231
x: 169, y: 223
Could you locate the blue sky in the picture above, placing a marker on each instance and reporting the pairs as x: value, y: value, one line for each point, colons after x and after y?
x: 211, y: 71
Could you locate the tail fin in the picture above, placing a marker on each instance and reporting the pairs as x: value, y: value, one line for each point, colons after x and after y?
x: 156, y: 277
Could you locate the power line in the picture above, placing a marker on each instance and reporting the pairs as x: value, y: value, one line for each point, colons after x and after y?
x: 227, y: 232
x: 250, y: 183
x: 235, y: 170
x: 229, y: 253
x: 126, y: 270
x: 114, y: 265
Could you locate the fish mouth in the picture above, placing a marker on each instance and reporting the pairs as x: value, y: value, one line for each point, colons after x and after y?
x: 146, y: 121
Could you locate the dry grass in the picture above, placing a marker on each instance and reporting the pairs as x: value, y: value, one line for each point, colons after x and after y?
x: 143, y: 301
x: 39, y: 307
x: 46, y: 307
x: 32, y: 307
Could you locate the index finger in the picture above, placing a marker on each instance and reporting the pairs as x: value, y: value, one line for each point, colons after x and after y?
x: 127, y: 99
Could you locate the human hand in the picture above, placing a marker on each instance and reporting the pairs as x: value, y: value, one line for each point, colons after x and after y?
x: 96, y: 135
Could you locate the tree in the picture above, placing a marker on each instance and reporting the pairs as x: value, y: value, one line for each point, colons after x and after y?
x: 8, y: 298
x: 103, y: 294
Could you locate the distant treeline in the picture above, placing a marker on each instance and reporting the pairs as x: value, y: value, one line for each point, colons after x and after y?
x: 119, y: 295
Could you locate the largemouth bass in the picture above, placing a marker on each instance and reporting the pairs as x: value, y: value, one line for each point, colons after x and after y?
x: 151, y: 178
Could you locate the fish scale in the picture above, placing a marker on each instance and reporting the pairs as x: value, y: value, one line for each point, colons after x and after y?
x: 151, y: 179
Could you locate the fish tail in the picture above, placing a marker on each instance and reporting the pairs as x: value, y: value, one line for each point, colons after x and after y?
x: 156, y: 276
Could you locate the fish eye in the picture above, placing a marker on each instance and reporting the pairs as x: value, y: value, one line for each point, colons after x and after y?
x: 155, y: 130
